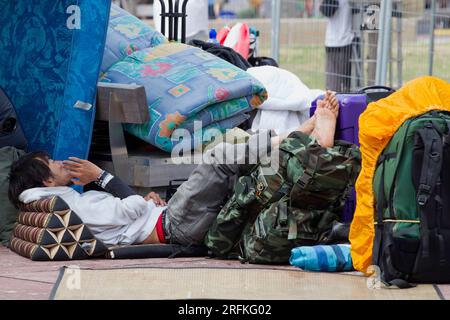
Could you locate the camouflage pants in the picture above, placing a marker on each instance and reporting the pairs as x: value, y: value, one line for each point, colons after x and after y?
x: 198, y: 201
x: 271, y: 213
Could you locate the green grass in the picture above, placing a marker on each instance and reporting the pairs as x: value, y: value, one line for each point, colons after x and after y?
x: 416, y: 61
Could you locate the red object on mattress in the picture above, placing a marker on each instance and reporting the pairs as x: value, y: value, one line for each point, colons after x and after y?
x: 237, y: 37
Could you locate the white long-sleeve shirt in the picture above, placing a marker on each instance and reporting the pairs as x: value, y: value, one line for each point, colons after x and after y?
x: 112, y: 220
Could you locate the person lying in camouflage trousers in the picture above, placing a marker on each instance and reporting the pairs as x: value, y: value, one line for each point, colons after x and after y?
x: 207, y: 204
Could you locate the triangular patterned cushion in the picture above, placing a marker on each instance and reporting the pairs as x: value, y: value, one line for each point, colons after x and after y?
x: 48, y: 230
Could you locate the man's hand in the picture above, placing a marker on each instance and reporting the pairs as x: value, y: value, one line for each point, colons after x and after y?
x: 82, y: 171
x: 156, y: 199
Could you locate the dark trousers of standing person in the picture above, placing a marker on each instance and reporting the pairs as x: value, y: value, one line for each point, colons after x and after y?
x: 211, y: 13
x: 338, y: 68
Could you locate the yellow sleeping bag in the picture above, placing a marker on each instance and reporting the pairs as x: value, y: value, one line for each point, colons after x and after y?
x: 377, y: 125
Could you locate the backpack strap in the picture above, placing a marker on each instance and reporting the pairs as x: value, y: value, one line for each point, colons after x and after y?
x: 432, y: 162
x: 385, y: 157
x: 306, y: 177
x: 431, y: 169
x: 379, y: 227
x: 285, y: 189
x: 446, y: 138
x: 446, y: 134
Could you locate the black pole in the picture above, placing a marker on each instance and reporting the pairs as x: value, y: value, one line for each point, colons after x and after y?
x: 170, y: 20
x: 163, y: 17
x: 176, y: 14
x: 183, y: 22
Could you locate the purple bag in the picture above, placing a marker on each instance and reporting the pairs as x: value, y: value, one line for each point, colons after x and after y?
x: 351, y: 106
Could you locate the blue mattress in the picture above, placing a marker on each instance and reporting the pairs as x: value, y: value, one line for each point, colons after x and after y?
x: 50, y: 57
x: 127, y: 34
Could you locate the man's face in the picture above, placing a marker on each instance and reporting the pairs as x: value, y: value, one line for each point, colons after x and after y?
x: 60, y: 176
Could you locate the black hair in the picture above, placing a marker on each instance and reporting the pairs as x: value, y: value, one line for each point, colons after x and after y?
x: 30, y: 171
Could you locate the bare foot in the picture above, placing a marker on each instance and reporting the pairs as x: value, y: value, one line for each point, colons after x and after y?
x: 323, y: 103
x: 333, y: 103
x: 325, y: 127
x: 329, y: 102
x: 321, y: 125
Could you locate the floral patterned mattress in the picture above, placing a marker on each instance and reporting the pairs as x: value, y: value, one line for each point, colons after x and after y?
x: 187, y: 88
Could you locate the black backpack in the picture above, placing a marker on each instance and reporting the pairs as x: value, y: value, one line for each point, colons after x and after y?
x: 411, y: 187
x: 11, y: 133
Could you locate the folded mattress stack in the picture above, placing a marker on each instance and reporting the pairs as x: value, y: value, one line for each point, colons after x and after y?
x: 187, y: 88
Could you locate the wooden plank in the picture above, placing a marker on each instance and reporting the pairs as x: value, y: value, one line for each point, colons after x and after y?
x: 129, y: 103
x: 160, y: 175
x: 152, y: 171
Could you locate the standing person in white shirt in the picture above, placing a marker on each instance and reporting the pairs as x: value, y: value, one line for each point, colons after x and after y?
x: 338, y: 44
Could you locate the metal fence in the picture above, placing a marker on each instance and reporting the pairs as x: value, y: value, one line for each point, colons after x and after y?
x: 394, y: 40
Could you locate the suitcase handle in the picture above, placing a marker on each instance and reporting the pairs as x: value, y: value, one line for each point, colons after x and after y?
x: 385, y: 88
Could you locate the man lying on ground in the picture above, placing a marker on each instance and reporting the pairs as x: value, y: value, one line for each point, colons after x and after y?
x: 117, y: 215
